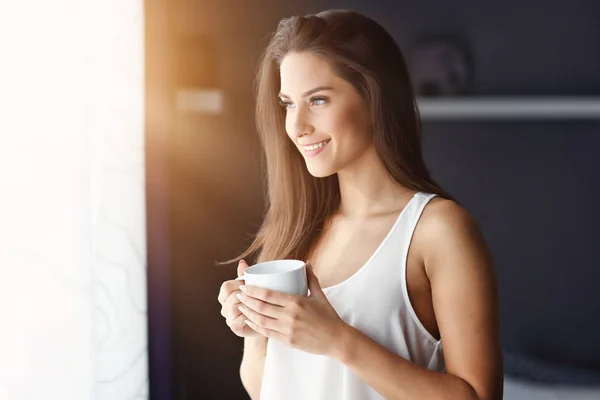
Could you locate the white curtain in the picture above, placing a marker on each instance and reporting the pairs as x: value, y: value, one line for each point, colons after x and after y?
x: 72, y: 210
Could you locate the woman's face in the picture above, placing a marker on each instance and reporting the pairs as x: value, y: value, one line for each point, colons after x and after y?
x: 326, y: 118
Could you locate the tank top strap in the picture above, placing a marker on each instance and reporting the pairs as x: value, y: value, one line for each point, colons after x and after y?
x: 412, y: 218
x: 390, y: 257
x: 406, y: 224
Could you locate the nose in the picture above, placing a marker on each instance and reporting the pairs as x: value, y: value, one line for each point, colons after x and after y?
x: 298, y: 124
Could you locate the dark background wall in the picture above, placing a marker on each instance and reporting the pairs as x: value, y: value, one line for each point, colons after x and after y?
x: 533, y: 186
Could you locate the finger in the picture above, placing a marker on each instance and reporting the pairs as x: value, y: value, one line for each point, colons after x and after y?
x: 242, y: 265
x: 234, y: 323
x: 260, y: 320
x: 230, y: 304
x: 232, y: 298
x: 313, y: 281
x: 239, y: 327
x: 266, y: 332
x: 233, y: 314
x: 260, y: 306
x: 227, y: 288
x: 268, y: 296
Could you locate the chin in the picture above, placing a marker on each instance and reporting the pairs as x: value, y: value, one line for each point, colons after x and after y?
x: 320, y: 171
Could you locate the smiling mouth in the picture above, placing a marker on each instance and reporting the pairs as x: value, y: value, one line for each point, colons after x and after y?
x: 316, y: 146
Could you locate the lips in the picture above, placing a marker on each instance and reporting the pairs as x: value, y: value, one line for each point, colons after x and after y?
x: 316, y: 146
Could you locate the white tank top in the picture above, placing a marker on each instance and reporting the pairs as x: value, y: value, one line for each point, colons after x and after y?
x: 375, y: 301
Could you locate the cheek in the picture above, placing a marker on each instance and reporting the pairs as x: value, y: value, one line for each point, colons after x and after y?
x: 354, y: 127
x: 288, y: 129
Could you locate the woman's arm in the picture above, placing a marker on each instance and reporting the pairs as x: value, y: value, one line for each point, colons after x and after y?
x: 253, y: 364
x: 459, y: 267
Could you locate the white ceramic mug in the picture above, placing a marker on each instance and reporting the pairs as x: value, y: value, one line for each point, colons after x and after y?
x: 287, y: 276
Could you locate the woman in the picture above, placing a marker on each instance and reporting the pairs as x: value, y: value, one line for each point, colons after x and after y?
x: 403, y: 301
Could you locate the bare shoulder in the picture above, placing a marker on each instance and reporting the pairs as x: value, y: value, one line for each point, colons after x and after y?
x: 445, y: 229
x: 446, y: 217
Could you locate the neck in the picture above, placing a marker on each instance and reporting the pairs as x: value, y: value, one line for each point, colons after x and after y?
x: 366, y: 188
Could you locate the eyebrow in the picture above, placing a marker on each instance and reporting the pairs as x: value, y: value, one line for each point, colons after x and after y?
x: 308, y: 93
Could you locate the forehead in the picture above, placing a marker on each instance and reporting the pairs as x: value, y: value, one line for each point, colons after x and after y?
x: 300, y: 72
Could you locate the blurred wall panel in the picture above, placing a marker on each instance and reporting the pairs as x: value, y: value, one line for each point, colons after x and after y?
x: 533, y: 187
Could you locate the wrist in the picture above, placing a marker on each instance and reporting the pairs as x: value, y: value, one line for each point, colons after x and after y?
x: 255, y: 342
x: 343, y: 345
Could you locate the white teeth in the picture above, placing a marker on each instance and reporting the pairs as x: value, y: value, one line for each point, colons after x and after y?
x: 315, y: 146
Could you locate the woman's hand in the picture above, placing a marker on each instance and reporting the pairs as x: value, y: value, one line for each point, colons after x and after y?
x: 306, y: 323
x: 230, y: 303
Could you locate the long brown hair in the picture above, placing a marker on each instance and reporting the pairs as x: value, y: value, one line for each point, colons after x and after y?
x: 364, y: 54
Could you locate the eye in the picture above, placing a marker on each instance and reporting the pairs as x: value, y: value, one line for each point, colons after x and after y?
x: 318, y: 101
x: 285, y: 104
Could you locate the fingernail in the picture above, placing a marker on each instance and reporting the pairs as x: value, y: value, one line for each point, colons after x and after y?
x: 241, y: 261
x: 239, y: 296
x: 243, y: 288
x: 242, y: 308
x: 250, y: 324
